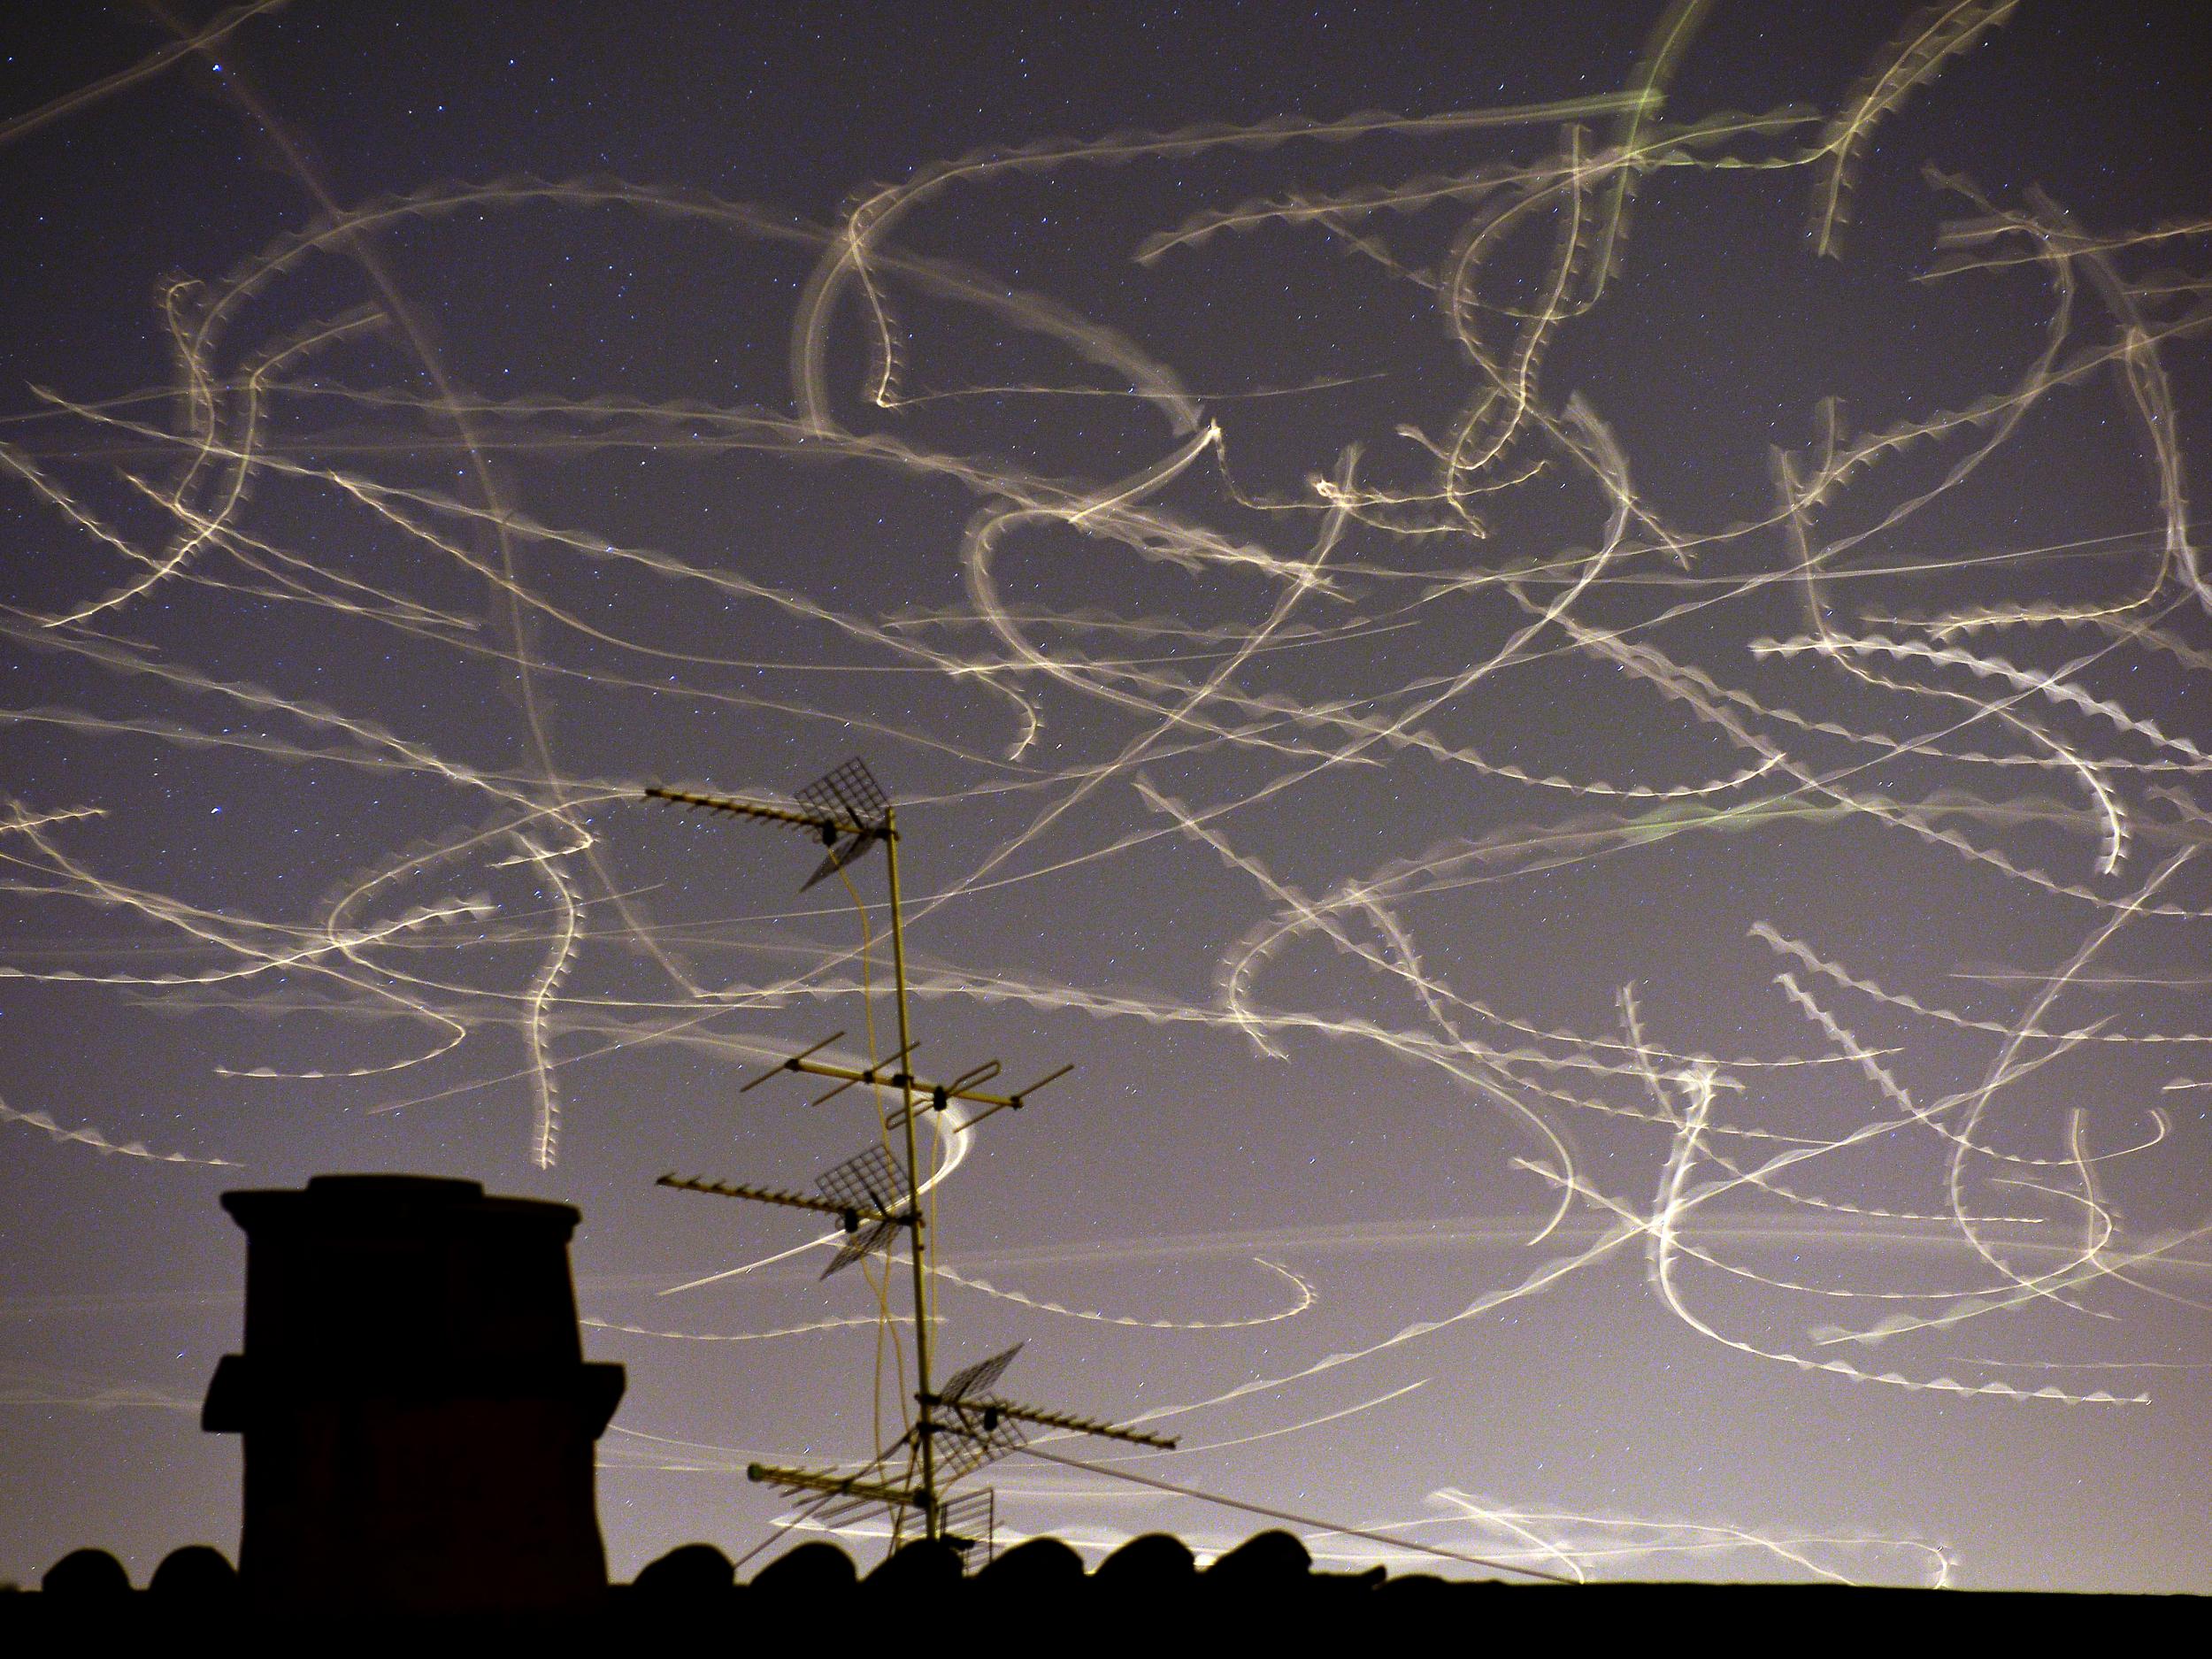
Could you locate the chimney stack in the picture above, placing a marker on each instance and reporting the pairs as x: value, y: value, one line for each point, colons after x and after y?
x: 420, y: 1423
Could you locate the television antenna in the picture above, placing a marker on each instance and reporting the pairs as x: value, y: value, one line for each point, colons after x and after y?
x: 964, y: 1426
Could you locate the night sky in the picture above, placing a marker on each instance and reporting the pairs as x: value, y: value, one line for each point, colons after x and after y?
x: 1560, y: 647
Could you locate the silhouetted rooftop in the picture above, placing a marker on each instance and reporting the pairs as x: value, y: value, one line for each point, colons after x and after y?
x: 1149, y: 1591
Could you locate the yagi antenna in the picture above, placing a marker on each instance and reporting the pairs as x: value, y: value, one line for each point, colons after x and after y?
x: 846, y: 809
x: 927, y: 1096
x: 868, y: 1074
x: 992, y: 1425
x: 874, y: 1196
x: 864, y: 1193
x: 791, y: 1064
x: 938, y: 1096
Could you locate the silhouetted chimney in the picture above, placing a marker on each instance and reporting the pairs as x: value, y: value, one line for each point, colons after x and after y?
x: 418, y: 1419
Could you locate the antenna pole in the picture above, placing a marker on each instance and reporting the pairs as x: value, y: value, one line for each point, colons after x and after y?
x: 925, y: 1429
x: 849, y: 810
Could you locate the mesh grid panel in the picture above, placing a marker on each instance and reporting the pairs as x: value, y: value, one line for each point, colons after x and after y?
x: 850, y: 791
x: 966, y: 1444
x: 978, y: 1377
x: 872, y: 1236
x: 971, y: 1526
x: 867, y: 1180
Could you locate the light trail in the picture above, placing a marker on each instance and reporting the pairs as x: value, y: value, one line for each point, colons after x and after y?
x: 1426, y: 743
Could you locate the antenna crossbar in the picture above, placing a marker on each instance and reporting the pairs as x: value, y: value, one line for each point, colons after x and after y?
x: 836, y: 1485
x: 885, y: 1071
x: 993, y: 1412
x: 828, y: 824
x: 1079, y: 1425
x: 930, y: 1096
x: 791, y: 1063
x: 850, y: 1213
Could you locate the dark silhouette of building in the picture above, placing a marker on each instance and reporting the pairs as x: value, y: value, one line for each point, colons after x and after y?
x: 1038, y: 1580
x: 195, y: 1578
x: 87, y: 1577
x: 419, y: 1424
x: 690, y: 1576
x: 1152, y: 1564
x: 814, y: 1573
x: 418, y: 1419
x: 1149, y: 1597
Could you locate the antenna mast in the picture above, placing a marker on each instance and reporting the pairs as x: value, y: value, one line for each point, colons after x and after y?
x: 850, y: 813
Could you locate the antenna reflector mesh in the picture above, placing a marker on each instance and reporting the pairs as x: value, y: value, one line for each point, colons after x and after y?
x: 850, y: 792
x: 968, y: 1444
x: 978, y: 1378
x: 970, y: 1523
x: 872, y: 1236
x: 867, y: 1182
